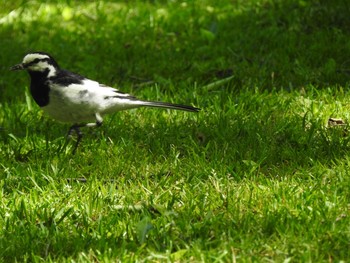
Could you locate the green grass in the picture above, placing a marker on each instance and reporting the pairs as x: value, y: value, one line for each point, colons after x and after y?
x: 256, y: 176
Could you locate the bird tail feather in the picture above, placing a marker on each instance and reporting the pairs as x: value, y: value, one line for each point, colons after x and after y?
x: 167, y: 105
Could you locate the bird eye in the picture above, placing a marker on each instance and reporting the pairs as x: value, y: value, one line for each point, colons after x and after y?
x: 32, y: 62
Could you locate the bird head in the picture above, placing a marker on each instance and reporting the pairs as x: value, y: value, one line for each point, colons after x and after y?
x: 38, y: 62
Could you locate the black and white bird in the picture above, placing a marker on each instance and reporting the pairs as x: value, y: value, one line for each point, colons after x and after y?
x: 70, y: 97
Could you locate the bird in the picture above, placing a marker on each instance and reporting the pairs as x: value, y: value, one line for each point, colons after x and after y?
x: 69, y: 97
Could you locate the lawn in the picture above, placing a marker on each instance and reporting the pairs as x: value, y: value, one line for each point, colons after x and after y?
x: 258, y: 175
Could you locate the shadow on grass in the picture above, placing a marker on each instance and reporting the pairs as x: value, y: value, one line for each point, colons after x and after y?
x: 276, y: 44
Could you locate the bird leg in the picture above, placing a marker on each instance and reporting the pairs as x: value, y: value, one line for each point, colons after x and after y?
x: 76, y: 128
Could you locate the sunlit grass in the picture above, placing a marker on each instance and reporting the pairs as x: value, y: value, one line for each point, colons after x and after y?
x: 257, y: 175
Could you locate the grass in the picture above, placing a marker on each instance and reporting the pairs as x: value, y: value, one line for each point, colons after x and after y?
x: 256, y: 176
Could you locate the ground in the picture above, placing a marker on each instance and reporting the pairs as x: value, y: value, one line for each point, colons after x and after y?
x: 257, y: 175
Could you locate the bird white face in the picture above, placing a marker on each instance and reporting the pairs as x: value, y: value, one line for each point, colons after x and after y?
x: 39, y: 62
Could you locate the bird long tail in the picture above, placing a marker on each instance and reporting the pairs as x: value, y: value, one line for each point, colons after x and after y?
x: 167, y: 105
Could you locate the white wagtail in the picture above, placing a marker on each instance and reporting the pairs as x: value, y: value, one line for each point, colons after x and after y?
x: 72, y: 98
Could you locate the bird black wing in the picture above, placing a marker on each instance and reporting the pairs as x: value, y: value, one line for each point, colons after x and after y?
x: 65, y: 78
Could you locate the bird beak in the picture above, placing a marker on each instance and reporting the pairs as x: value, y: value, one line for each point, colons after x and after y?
x: 17, y: 67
